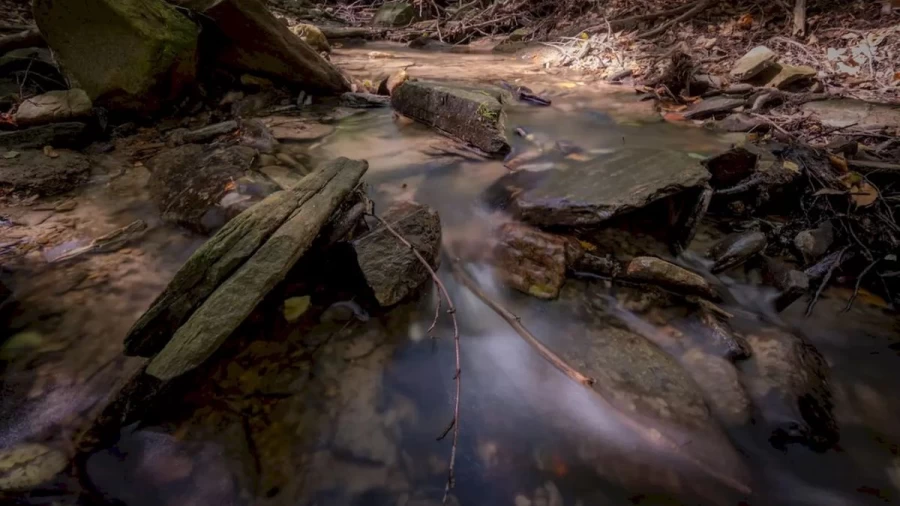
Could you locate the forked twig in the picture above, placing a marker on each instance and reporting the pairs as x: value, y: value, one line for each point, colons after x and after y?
x: 442, y: 293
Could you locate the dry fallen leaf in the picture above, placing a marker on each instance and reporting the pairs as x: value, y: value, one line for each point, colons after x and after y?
x: 746, y: 21
x: 791, y: 166
x: 674, y: 117
x: 839, y: 163
x: 50, y: 152
x: 864, y: 195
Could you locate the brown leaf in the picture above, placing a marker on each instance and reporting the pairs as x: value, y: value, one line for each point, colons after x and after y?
x: 50, y: 152
x: 865, y: 195
x: 746, y: 21
x: 839, y: 163
x: 829, y: 191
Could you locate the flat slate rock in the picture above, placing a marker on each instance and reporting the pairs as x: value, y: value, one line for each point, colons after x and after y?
x: 713, y: 106
x: 287, y: 128
x: 754, y: 62
x: 471, y: 114
x: 590, y: 194
x: 33, y: 172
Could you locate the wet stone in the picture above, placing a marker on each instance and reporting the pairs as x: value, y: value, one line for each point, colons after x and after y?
x: 792, y: 283
x: 720, y: 382
x: 33, y: 172
x: 720, y: 339
x: 390, y: 269
x: 814, y: 243
x: 789, y: 380
x: 28, y: 466
x: 713, y: 106
x: 736, y: 249
x: 530, y: 261
x: 193, y: 185
x: 286, y: 128
x: 667, y: 275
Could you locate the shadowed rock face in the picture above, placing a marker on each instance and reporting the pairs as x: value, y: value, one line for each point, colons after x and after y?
x: 255, y: 41
x: 471, y: 114
x: 33, y: 172
x: 391, y: 270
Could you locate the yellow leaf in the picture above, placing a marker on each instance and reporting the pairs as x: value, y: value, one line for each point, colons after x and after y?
x: 791, y: 166
x: 865, y: 195
x: 584, y: 36
x: 295, y: 307
x: 839, y: 163
x: 567, y: 85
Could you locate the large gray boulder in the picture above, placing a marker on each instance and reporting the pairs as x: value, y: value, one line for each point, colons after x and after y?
x: 473, y: 115
x: 390, y: 268
x: 133, y: 55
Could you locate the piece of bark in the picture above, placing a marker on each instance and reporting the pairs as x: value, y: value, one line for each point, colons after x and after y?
x: 223, y: 255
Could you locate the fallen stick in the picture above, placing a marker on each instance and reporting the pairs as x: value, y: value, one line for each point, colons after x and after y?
x: 650, y: 435
x: 451, y: 310
x: 697, y: 9
x: 799, y: 18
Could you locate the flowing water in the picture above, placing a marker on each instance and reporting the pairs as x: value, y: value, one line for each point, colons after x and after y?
x: 347, y: 411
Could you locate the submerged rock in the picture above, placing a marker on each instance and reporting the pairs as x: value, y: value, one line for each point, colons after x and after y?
x: 133, y: 55
x: 259, y: 43
x: 792, y: 283
x: 529, y: 260
x: 394, y: 14
x: 196, y: 187
x: 669, y: 276
x: 720, y: 382
x: 736, y: 249
x: 28, y: 466
x: 33, y: 172
x: 473, y: 115
x: 364, y: 100
x: 390, y: 269
x: 54, y: 106
x: 720, y: 339
x: 788, y: 379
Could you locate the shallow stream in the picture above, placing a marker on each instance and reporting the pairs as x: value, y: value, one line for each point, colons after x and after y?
x: 347, y: 412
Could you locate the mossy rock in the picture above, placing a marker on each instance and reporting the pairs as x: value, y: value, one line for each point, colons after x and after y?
x: 312, y: 35
x: 126, y: 54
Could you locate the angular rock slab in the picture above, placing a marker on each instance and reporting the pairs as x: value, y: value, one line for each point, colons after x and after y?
x: 130, y: 55
x: 258, y: 242
x: 752, y: 63
x: 713, y: 106
x: 391, y: 270
x: 668, y: 275
x: 54, y: 106
x: 471, y: 114
x: 790, y: 74
x: 591, y: 194
x: 259, y: 43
